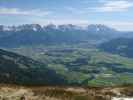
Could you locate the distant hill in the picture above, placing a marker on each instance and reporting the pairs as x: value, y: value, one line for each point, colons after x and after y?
x: 17, y: 69
x: 121, y: 46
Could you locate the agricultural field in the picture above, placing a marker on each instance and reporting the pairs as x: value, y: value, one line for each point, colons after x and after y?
x: 83, y: 65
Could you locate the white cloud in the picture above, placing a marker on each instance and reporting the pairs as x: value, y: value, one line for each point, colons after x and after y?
x: 114, y: 6
x: 119, y: 25
x: 123, y: 26
x: 104, y: 6
x: 76, y: 10
x: 42, y: 21
x: 17, y: 11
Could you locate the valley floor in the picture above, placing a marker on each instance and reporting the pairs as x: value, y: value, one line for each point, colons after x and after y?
x: 12, y: 92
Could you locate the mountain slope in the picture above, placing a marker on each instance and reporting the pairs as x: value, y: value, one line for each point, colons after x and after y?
x: 19, y: 69
x: 121, y: 46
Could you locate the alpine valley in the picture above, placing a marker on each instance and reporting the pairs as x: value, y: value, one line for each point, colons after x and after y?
x: 95, y: 55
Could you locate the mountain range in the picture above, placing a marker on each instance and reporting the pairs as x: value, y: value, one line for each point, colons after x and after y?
x: 34, y: 34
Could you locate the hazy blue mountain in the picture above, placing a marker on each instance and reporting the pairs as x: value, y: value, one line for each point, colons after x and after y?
x: 121, y: 46
x: 34, y: 34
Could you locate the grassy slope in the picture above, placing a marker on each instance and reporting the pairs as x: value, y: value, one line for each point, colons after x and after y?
x: 13, y: 92
x: 19, y: 69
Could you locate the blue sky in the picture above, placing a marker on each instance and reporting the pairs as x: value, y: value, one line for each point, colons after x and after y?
x: 114, y: 13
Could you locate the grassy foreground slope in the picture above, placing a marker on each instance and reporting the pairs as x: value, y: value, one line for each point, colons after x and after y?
x: 18, y: 69
x: 13, y: 92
